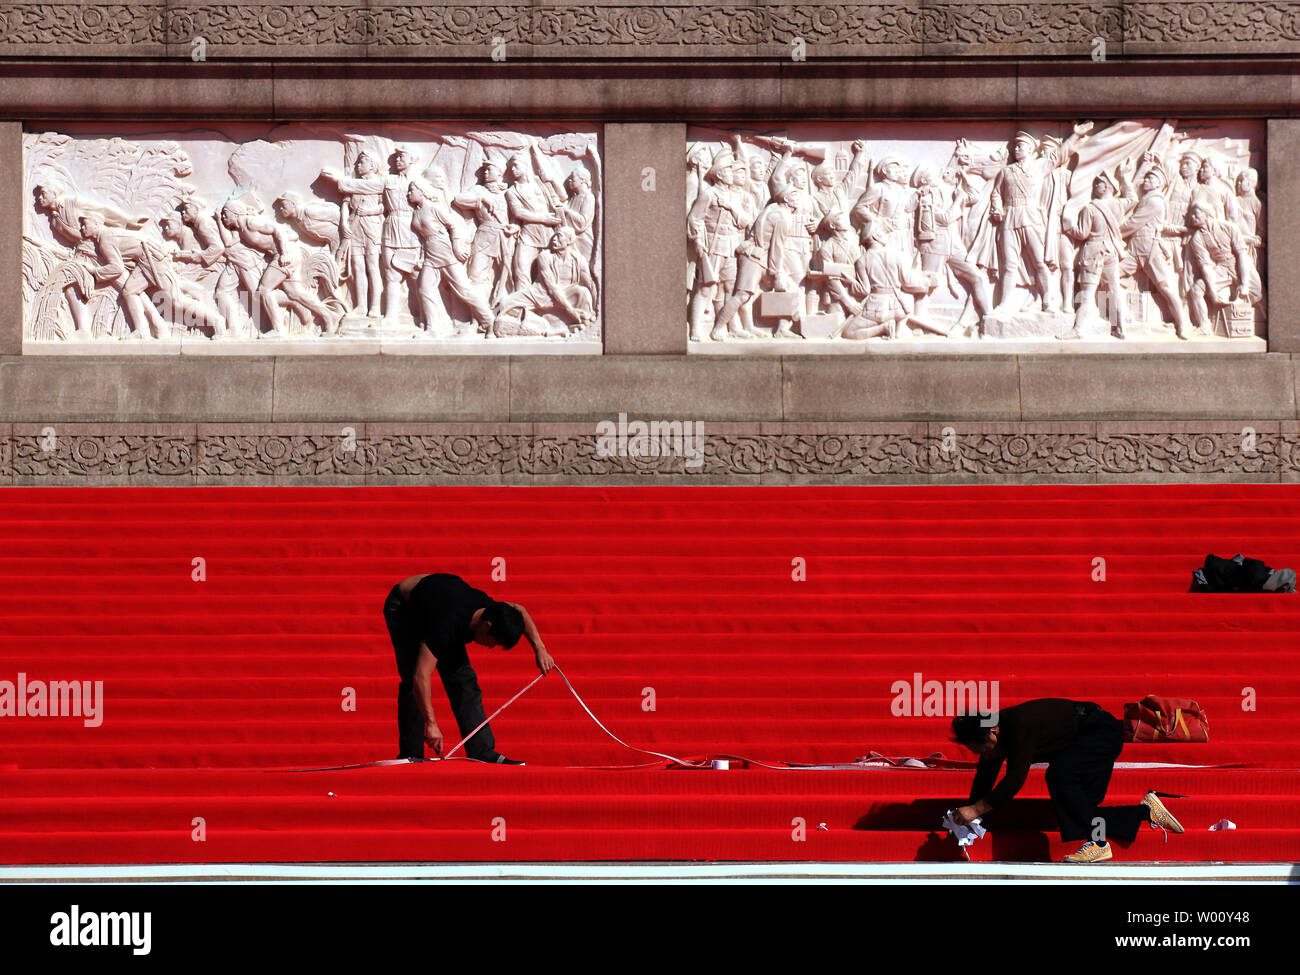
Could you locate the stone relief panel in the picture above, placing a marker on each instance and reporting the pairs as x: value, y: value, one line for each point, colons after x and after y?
x: 302, y: 237
x: 1128, y: 235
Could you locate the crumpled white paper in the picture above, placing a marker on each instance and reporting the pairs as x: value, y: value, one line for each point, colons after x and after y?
x: 1224, y: 824
x: 964, y: 834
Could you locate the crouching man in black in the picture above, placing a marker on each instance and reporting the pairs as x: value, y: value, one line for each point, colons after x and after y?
x: 1080, y: 741
x: 430, y: 619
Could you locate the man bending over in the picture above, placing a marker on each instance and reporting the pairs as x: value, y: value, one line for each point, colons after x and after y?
x: 431, y: 619
x: 1080, y: 743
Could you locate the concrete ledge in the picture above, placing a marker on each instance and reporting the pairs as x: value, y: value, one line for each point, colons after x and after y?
x: 131, y: 91
x: 1131, y: 88
x: 585, y: 389
x: 1124, y: 387
x: 556, y: 388
x: 645, y: 91
x: 362, y: 388
x: 163, y: 390
x: 900, y: 388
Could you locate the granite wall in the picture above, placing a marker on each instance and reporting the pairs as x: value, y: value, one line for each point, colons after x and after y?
x: 641, y: 74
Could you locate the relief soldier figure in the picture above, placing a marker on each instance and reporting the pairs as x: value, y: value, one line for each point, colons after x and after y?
x: 362, y: 231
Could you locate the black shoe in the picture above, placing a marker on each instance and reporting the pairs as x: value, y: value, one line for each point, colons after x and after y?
x: 502, y: 760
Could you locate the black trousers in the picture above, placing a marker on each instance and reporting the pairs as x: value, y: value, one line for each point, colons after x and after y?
x: 1077, y: 779
x: 461, y: 686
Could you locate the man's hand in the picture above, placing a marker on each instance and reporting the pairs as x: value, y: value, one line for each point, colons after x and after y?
x: 965, y: 815
x: 544, y: 661
x: 433, y: 737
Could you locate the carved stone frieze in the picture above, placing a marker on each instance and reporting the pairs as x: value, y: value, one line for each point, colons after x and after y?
x: 445, y: 455
x: 72, y: 453
x: 245, y: 28
x: 295, y: 455
x: 1014, y: 453
x: 1186, y: 453
x: 127, y: 454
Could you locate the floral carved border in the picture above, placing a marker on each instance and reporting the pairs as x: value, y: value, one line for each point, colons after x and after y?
x: 239, y: 29
x: 776, y: 453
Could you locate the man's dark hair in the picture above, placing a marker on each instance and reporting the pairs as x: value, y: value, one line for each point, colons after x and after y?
x: 971, y: 730
x: 507, y: 623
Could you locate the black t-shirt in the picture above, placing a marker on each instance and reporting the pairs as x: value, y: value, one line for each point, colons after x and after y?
x: 442, y: 606
x: 1027, y: 733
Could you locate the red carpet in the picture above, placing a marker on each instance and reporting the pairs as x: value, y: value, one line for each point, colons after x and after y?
x: 683, y: 594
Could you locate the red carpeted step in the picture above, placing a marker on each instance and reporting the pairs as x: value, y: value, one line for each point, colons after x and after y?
x: 418, y: 812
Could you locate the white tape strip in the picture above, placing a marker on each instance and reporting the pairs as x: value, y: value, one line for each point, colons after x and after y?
x: 577, y: 697
x: 644, y: 751
x: 484, y: 722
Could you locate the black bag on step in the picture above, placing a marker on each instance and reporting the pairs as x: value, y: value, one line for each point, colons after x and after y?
x: 1237, y: 574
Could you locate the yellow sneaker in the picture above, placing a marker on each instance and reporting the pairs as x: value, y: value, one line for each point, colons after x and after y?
x: 1161, y: 818
x: 1090, y: 852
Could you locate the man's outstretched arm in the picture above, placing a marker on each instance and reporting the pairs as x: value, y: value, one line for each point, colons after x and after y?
x: 1018, y: 762
x: 986, y: 773
x: 423, y: 697
x: 544, y: 661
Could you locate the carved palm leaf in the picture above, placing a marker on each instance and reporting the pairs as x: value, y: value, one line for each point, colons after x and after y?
x: 155, y: 185
x: 39, y: 261
x: 107, y: 165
